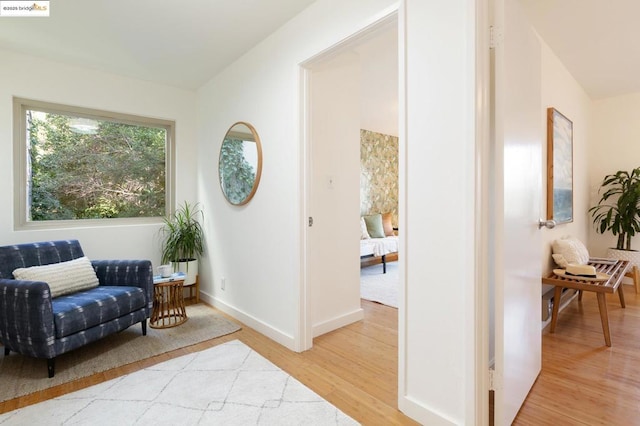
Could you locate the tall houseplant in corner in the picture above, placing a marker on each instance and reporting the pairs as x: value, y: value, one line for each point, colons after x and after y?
x: 618, y: 212
x: 183, y: 240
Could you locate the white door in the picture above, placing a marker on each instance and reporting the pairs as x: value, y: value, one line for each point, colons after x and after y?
x: 332, y: 251
x: 519, y: 133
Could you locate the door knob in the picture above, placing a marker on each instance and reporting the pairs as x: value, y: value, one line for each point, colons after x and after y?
x: 546, y: 223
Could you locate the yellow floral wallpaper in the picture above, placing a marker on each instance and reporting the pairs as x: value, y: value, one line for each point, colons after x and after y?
x: 378, y: 174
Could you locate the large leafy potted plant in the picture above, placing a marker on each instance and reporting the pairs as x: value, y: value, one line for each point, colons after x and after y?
x: 618, y: 212
x: 183, y: 240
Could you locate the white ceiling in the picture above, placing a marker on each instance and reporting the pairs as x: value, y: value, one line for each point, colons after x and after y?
x: 184, y: 44
x: 597, y: 40
x: 179, y: 43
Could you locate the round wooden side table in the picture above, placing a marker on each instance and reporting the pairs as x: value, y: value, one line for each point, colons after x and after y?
x: 168, y: 304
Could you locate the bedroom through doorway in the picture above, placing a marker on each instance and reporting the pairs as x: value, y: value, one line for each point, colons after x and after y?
x: 349, y: 90
x: 352, y: 120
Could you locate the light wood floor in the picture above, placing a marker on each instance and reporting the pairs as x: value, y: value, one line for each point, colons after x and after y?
x: 354, y: 368
x: 584, y: 382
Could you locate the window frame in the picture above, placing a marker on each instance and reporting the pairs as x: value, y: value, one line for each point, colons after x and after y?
x: 20, y: 156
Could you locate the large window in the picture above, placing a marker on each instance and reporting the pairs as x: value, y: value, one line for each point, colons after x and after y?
x: 76, y: 164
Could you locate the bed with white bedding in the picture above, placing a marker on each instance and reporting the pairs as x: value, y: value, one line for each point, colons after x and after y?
x: 379, y: 247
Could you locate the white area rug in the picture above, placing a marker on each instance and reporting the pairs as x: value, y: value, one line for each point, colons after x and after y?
x: 379, y: 287
x: 229, y: 384
x: 22, y: 375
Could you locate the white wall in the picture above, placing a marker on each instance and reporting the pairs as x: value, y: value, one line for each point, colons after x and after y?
x: 333, y: 241
x: 615, y: 146
x: 32, y: 78
x: 437, y: 163
x: 258, y: 248
x: 562, y: 92
x: 379, y: 82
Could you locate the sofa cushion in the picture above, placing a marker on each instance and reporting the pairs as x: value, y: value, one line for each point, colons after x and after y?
x: 374, y: 225
x: 82, y: 310
x: 63, y: 277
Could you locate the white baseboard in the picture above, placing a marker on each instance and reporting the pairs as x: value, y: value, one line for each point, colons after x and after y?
x: 422, y: 414
x: 250, y: 321
x: 337, y: 322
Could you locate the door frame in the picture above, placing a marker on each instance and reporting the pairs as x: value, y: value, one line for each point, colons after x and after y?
x: 483, y: 247
x: 479, y: 393
x: 304, y: 331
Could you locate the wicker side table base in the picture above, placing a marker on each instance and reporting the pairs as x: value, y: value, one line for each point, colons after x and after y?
x: 168, y: 305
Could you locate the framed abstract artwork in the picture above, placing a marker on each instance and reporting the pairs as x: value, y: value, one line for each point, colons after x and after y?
x: 559, y: 167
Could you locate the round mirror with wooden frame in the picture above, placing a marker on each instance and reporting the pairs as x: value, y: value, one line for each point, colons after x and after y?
x: 240, y: 163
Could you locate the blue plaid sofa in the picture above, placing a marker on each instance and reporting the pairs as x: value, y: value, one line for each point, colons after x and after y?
x: 33, y: 323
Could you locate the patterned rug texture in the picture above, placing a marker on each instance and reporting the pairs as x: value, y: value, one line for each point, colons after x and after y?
x: 228, y: 384
x: 21, y: 375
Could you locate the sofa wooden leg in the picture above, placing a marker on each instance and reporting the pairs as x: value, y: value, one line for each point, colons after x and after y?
x: 384, y: 263
x: 144, y: 327
x: 51, y: 363
x: 6, y: 351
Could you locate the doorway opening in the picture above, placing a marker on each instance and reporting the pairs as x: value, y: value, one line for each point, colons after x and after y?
x: 349, y: 90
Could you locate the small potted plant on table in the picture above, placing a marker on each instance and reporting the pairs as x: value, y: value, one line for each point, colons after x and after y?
x: 183, y: 240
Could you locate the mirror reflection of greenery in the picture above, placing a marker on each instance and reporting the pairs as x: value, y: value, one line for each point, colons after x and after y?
x: 117, y: 172
x: 236, y: 174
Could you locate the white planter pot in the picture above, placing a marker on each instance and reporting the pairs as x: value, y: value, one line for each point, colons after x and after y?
x: 190, y: 269
x: 632, y: 256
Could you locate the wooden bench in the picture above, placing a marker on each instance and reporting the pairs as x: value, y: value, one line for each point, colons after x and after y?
x: 616, y: 269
